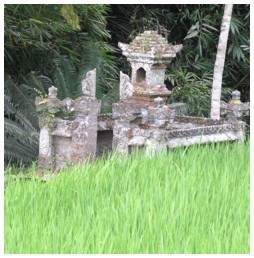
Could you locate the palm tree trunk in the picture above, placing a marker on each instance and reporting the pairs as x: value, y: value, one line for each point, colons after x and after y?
x: 219, y: 63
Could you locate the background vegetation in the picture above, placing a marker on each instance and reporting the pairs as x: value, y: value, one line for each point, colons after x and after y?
x: 58, y: 44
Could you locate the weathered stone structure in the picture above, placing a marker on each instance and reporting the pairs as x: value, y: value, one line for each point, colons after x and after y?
x: 68, y: 127
x: 143, y: 120
x: 72, y: 131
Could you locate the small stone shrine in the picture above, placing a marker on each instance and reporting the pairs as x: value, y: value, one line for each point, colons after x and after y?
x: 72, y: 131
x: 149, y: 54
x: 142, y: 99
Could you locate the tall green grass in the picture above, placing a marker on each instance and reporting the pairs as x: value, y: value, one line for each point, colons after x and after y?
x: 193, y: 200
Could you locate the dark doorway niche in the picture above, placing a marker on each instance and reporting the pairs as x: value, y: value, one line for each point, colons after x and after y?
x: 141, y: 75
x: 104, y: 142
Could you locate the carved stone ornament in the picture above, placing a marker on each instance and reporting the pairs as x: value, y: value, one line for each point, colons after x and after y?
x: 126, y: 88
x: 52, y: 92
x: 89, y: 84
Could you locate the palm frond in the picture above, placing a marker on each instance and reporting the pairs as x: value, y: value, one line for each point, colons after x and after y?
x: 21, y: 138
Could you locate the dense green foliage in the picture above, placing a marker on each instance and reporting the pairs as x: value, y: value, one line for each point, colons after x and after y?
x: 58, y: 44
x: 192, y: 200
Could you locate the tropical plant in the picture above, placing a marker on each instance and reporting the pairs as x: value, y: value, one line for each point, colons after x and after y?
x: 20, y: 137
x: 55, y: 39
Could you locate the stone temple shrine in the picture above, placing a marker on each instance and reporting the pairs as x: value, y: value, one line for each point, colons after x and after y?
x: 72, y: 131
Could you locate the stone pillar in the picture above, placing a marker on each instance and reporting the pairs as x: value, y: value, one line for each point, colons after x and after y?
x: 120, y: 136
x: 84, y: 133
x: 46, y: 152
x: 69, y: 127
x: 47, y: 108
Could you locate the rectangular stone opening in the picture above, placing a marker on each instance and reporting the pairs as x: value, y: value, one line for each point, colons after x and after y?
x: 104, y: 141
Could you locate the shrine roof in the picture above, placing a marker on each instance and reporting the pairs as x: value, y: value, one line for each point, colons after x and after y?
x: 150, y: 43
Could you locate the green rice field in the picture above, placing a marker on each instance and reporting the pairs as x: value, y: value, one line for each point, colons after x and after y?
x: 190, y: 200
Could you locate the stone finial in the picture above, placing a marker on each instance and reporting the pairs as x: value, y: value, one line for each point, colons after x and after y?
x: 89, y: 84
x: 52, y: 92
x: 126, y: 88
x: 235, y: 97
x: 69, y: 104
